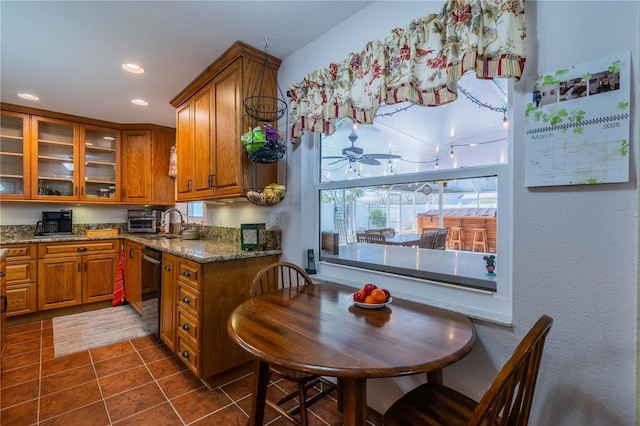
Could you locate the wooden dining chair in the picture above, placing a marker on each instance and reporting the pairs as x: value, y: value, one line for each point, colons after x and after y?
x: 433, y: 238
x: 507, y: 402
x: 271, y: 278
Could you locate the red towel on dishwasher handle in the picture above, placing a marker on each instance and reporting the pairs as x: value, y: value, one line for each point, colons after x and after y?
x: 118, y: 291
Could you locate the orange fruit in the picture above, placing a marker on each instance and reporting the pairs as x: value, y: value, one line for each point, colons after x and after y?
x: 378, y: 296
x: 369, y: 300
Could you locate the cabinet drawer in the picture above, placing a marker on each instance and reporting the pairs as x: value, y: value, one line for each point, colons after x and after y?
x: 21, y: 272
x: 188, y: 354
x: 189, y: 327
x: 21, y: 299
x: 20, y: 252
x: 189, y: 299
x: 189, y: 272
x: 77, y: 247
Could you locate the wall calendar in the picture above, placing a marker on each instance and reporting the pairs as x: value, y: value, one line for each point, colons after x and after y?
x: 578, y: 124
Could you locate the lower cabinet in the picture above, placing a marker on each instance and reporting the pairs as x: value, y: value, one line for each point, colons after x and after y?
x: 205, y: 295
x: 75, y: 273
x: 3, y: 305
x: 21, y: 276
x: 168, y: 301
x: 133, y: 274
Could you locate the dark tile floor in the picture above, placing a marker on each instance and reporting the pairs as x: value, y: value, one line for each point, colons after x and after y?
x: 135, y: 382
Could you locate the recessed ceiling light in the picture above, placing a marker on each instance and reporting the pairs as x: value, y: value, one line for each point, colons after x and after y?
x: 139, y: 102
x: 28, y: 96
x: 133, y: 68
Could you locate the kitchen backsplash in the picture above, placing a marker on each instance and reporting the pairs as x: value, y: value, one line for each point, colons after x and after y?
x: 11, y: 233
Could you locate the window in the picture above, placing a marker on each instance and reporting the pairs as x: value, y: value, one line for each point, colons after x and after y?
x: 195, y: 209
x: 439, y: 170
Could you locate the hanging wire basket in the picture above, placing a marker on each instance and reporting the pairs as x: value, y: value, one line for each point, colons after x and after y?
x: 259, y: 106
x: 263, y: 146
x: 265, y: 108
x: 268, y: 196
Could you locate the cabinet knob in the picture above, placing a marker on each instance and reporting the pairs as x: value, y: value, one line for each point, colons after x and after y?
x: 2, y: 274
x: 82, y: 249
x: 185, y: 354
x: 186, y: 300
x: 186, y: 273
x: 167, y: 268
x: 185, y: 327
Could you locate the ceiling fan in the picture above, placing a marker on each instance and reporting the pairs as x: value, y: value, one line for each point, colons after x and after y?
x: 354, y: 154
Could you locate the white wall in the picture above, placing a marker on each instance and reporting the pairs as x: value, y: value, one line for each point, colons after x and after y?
x: 572, y: 259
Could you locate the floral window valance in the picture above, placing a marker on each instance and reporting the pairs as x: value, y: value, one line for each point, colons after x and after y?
x: 420, y: 63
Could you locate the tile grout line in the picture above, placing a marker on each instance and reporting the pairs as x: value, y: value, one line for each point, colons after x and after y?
x: 40, y: 371
x: 158, y: 384
x: 104, y: 401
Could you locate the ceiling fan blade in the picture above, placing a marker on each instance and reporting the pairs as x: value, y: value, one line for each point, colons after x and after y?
x: 370, y: 161
x: 382, y: 156
x: 337, y: 161
x: 333, y: 156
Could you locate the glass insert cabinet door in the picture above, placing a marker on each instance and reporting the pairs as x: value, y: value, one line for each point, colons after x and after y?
x: 14, y: 156
x: 54, y: 164
x: 100, y: 147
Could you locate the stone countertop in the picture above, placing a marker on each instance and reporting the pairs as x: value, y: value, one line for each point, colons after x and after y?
x: 201, y: 251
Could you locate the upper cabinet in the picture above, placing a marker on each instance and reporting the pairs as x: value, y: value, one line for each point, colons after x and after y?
x: 100, y: 168
x: 55, y: 157
x: 14, y: 156
x: 145, y: 165
x: 74, y: 162
x: 210, y: 119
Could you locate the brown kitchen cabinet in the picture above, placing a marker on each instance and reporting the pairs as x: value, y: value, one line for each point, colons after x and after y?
x: 206, y: 296
x: 3, y: 305
x: 100, y: 164
x: 145, y: 165
x: 210, y: 120
x: 133, y: 274
x: 72, y: 273
x: 14, y: 156
x: 74, y: 162
x: 54, y: 160
x: 168, y: 301
x: 22, y: 266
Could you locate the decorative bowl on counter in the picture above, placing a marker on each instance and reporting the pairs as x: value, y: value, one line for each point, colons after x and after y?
x: 191, y: 234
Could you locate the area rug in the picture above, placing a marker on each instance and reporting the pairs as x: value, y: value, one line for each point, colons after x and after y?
x: 88, y: 330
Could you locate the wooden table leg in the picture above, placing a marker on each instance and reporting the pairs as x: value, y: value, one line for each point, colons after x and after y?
x: 354, y: 394
x: 435, y: 376
x: 260, y: 384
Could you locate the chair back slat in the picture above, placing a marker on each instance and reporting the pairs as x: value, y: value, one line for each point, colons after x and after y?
x: 508, y: 400
x: 371, y: 237
x: 278, y: 275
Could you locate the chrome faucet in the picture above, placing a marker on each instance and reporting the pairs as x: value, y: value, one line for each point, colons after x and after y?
x: 168, y: 211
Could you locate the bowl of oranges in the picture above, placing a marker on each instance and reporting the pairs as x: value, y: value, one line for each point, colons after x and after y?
x: 371, y: 297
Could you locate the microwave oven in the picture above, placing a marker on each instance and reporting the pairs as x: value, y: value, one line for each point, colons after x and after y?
x: 143, y: 221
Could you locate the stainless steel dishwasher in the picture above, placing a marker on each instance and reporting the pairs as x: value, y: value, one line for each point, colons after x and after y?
x: 151, y: 286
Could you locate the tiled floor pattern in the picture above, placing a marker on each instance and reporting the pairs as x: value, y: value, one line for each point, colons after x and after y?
x: 135, y: 382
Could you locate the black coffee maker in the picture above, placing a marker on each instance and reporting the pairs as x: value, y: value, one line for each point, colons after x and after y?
x: 55, y: 224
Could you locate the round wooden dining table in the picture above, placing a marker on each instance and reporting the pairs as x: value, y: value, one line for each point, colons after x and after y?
x: 317, y: 329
